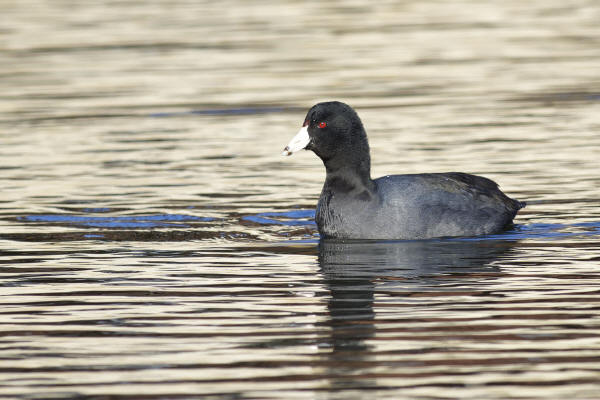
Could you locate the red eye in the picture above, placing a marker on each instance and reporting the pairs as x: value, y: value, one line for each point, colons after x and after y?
x: 322, y: 124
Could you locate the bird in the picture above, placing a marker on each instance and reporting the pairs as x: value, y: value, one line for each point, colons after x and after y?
x: 352, y: 205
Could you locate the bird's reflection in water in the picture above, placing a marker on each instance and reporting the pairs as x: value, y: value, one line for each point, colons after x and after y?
x: 353, y: 273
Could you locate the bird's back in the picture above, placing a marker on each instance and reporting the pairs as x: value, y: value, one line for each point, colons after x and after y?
x: 420, y: 206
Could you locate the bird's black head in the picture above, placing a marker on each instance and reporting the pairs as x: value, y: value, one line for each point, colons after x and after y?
x: 334, y: 132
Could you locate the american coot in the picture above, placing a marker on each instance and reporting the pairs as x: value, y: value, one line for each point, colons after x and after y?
x: 416, y: 206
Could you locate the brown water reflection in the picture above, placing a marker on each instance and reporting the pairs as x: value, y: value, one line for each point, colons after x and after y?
x: 154, y: 244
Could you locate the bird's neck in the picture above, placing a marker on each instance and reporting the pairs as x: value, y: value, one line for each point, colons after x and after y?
x: 349, y: 176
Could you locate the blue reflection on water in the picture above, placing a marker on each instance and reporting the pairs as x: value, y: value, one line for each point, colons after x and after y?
x: 545, y: 231
x: 96, y: 210
x: 288, y: 218
x: 133, y: 221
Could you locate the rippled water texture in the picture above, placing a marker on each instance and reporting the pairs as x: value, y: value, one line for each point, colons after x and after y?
x: 154, y: 243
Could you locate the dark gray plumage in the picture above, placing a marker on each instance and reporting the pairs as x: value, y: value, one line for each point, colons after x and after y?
x: 418, y: 206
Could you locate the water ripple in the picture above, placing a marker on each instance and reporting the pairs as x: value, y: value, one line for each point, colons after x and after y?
x: 130, y: 221
x: 288, y: 218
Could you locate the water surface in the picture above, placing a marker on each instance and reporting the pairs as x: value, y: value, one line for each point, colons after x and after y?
x: 154, y: 243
